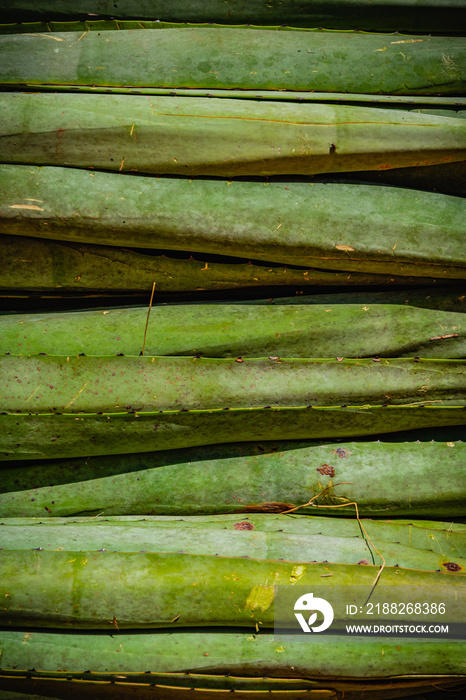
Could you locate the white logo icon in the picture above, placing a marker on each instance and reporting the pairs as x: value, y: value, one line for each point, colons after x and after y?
x: 309, y: 604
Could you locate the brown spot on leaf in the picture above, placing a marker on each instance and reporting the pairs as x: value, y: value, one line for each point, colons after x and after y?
x: 364, y: 562
x: 451, y: 566
x: 243, y: 525
x: 326, y: 469
x: 341, y: 452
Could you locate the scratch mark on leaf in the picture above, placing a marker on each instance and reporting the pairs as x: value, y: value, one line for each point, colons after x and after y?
x: 79, y: 392
x: 33, y: 394
x: 47, y: 36
x: 31, y: 207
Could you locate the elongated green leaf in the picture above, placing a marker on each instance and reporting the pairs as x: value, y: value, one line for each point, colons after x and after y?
x: 203, y: 654
x: 447, y: 538
x: 429, y: 15
x: 354, y: 227
x: 122, y: 686
x: 231, y: 58
x: 32, y: 264
x: 90, y: 384
x: 89, y: 589
x: 442, y: 298
x: 70, y: 406
x: 124, y: 537
x: 196, y: 136
x: 269, y: 477
x: 41, y: 436
x: 453, y: 106
x: 221, y: 330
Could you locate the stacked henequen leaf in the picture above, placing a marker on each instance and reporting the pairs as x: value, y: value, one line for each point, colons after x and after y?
x: 124, y: 428
x: 180, y: 580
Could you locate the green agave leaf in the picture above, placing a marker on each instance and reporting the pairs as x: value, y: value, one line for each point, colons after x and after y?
x: 445, y: 16
x: 56, y: 406
x: 32, y: 264
x: 220, y: 137
x: 79, y: 589
x: 310, y: 329
x: 249, y: 478
x: 250, y: 660
x: 126, y: 538
x: 450, y: 106
x: 331, y: 226
x: 89, y: 384
x: 232, y: 58
x: 42, y: 436
x: 446, y: 538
